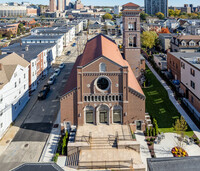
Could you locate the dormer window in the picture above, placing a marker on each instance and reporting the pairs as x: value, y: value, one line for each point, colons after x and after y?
x: 183, y: 43
x: 192, y: 43
x: 102, y: 67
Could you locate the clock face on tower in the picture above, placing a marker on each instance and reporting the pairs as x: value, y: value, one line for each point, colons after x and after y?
x: 102, y: 83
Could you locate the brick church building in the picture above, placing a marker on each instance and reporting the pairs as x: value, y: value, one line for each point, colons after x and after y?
x: 102, y: 88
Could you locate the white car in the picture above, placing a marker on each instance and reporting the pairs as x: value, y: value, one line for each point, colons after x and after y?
x: 61, y: 66
x: 51, y: 79
x: 57, y: 72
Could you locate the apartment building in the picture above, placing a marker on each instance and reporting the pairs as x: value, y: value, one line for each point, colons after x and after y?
x: 190, y: 83
x: 46, y: 39
x: 14, y: 85
x: 165, y: 40
x: 185, y: 43
x: 40, y: 57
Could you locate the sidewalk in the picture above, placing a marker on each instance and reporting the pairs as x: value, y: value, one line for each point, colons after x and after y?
x: 52, y: 143
x: 176, y: 104
x: 12, y: 130
x: 144, y: 150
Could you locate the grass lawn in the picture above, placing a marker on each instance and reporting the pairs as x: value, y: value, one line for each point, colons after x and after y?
x: 159, y: 106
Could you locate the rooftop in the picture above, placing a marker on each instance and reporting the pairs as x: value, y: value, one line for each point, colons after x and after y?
x: 185, y: 55
x: 38, y: 167
x: 194, y: 61
x: 8, y: 64
x: 130, y: 4
x: 174, y: 163
x: 39, y: 37
x: 100, y: 46
x: 190, y: 37
x: 33, y: 49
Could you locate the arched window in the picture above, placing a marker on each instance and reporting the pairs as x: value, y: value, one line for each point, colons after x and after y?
x: 102, y: 67
x: 89, y: 114
x: 117, y: 114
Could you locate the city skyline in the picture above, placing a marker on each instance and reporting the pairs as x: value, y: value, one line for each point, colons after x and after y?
x: 112, y: 2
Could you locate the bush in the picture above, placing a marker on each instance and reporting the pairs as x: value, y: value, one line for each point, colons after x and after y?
x: 64, y: 144
x: 147, y: 131
x: 148, y: 139
x: 152, y: 139
x: 151, y: 143
x: 197, y: 142
x: 55, y: 158
x: 150, y: 132
x: 154, y: 132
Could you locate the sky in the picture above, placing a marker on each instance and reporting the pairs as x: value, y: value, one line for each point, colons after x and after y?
x: 111, y: 2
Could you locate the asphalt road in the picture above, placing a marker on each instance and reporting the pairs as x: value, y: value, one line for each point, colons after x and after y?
x: 30, y: 140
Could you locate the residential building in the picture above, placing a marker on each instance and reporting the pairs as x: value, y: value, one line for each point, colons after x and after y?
x: 117, y: 9
x: 40, y: 56
x: 193, y: 30
x: 31, y: 11
x: 14, y: 85
x: 131, y: 36
x: 185, y: 43
x: 154, y: 6
x: 60, y: 5
x: 165, y: 40
x: 37, y: 39
x: 78, y: 24
x: 8, y: 29
x: 52, y: 5
x: 94, y: 28
x: 190, y: 83
x: 174, y: 62
x: 67, y: 32
x: 171, y: 24
x: 161, y: 61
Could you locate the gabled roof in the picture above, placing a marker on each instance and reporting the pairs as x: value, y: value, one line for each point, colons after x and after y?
x: 8, y: 65
x: 101, y: 46
x: 130, y: 4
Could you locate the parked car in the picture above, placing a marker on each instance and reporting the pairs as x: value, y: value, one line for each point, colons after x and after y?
x: 68, y: 52
x: 43, y: 93
x: 61, y: 66
x: 57, y: 72
x: 52, y: 79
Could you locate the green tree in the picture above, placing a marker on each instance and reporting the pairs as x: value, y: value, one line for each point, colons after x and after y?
x: 147, y: 131
x: 160, y: 15
x: 143, y: 16
x: 155, y: 125
x: 180, y: 125
x: 177, y: 12
x: 107, y: 16
x: 149, y: 39
x: 20, y: 25
x: 171, y: 12
x: 0, y: 35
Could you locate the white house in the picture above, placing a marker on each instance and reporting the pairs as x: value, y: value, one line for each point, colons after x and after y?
x: 40, y: 57
x: 14, y: 86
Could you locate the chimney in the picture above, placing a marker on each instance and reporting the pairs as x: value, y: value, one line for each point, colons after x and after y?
x: 26, y: 48
x: 22, y: 55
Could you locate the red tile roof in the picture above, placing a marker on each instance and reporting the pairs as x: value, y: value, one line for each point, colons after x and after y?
x: 130, y: 4
x: 97, y: 47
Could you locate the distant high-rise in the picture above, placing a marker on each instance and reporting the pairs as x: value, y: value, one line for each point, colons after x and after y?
x: 66, y: 3
x: 60, y: 5
x: 154, y: 6
x: 52, y: 5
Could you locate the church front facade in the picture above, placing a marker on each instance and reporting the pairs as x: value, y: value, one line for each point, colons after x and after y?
x: 102, y: 89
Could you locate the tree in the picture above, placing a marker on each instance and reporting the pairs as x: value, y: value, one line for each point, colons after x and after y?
x: 177, y: 12
x: 37, y: 25
x: 180, y: 127
x: 20, y: 25
x: 165, y: 30
x: 160, y: 15
x: 143, y: 16
x: 107, y: 16
x: 155, y: 125
x: 171, y: 12
x: 149, y: 39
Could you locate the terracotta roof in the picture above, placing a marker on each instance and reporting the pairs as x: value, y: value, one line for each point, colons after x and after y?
x: 130, y: 4
x: 97, y: 47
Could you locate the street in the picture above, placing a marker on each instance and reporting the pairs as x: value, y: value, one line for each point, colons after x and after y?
x: 36, y: 120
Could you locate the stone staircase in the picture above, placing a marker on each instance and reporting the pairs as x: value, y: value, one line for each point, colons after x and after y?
x: 103, y: 143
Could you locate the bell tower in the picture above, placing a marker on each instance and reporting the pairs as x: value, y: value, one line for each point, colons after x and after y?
x: 131, y: 36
